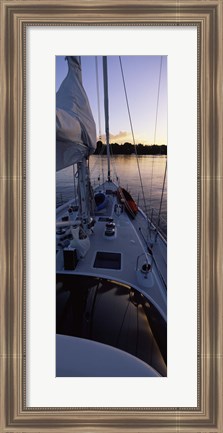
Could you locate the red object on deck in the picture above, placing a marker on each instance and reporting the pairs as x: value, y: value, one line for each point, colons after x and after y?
x: 126, y: 198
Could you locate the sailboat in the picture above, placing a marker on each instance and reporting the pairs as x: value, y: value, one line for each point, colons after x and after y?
x: 111, y: 259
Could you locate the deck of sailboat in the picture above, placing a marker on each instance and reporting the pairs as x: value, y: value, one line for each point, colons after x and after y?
x: 157, y: 243
x: 121, y: 256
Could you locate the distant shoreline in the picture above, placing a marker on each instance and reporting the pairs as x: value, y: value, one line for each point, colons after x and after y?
x: 129, y: 149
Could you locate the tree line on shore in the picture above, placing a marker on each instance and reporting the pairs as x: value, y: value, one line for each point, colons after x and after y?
x: 129, y: 148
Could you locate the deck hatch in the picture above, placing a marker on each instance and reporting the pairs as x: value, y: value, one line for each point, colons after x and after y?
x: 107, y: 260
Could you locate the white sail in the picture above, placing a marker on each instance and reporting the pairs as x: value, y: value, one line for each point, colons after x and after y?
x: 75, y: 126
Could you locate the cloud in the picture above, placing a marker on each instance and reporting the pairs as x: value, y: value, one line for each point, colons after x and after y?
x: 122, y: 137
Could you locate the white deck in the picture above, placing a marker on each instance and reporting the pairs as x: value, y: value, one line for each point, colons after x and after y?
x: 129, y: 242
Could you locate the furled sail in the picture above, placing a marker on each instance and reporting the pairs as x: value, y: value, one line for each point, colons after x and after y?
x: 75, y: 126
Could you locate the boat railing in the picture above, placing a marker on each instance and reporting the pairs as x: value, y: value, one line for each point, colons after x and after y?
x: 157, y: 221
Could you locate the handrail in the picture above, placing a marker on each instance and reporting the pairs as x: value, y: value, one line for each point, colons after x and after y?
x: 160, y: 225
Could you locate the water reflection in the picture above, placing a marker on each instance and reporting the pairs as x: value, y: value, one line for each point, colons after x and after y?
x: 125, y: 168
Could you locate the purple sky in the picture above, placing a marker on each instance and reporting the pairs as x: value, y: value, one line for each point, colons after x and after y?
x: 142, y: 82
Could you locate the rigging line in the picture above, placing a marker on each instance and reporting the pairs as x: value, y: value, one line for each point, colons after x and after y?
x: 99, y: 115
x: 102, y: 168
x: 115, y: 171
x: 99, y: 166
x: 114, y: 166
x: 154, y: 141
x: 98, y: 98
x: 96, y: 162
x: 100, y: 154
x: 106, y: 108
x: 133, y: 137
x: 161, y: 199
x: 150, y: 251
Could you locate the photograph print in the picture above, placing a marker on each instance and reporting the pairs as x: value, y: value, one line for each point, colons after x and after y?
x: 111, y: 216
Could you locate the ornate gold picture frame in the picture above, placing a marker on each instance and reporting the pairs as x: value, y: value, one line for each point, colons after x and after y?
x: 16, y: 16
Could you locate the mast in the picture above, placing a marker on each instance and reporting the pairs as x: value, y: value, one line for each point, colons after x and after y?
x: 105, y: 76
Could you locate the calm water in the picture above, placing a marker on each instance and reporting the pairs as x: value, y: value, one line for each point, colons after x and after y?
x: 124, y: 167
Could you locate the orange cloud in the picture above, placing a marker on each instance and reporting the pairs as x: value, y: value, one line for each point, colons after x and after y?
x: 124, y: 136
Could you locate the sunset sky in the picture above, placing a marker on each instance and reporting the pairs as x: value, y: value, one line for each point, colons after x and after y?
x: 142, y: 75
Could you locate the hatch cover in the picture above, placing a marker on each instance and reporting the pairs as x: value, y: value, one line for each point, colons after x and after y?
x: 107, y: 260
